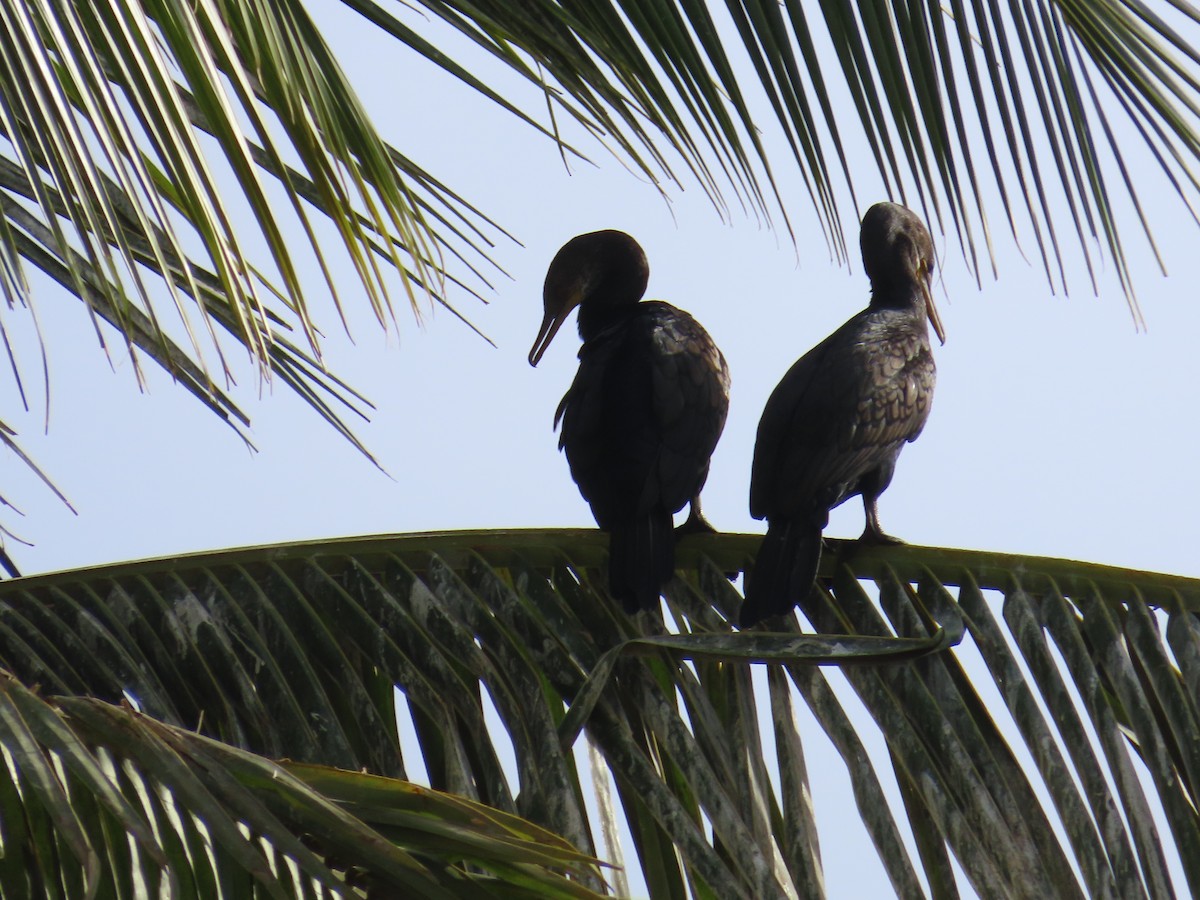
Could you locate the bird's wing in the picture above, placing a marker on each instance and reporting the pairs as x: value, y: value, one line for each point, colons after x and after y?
x: 838, y: 413
x: 788, y: 432
x: 644, y: 414
x: 691, y: 402
x: 608, y: 428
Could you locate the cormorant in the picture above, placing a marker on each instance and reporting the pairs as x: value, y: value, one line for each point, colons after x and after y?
x: 644, y: 413
x: 835, y: 424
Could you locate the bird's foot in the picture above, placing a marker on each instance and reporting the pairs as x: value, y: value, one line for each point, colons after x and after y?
x: 878, y: 537
x: 695, y: 524
x: 873, y: 535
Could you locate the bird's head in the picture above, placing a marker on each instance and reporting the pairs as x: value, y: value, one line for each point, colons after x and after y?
x: 602, y: 268
x: 897, y: 252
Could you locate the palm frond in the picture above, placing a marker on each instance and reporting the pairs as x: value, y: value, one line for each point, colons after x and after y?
x: 309, y: 650
x: 101, y: 800
x: 959, y: 103
x: 124, y: 127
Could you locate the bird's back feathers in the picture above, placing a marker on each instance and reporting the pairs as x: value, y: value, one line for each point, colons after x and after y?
x: 785, y: 568
x: 639, y: 425
x: 641, y: 559
x: 844, y: 408
x: 831, y: 429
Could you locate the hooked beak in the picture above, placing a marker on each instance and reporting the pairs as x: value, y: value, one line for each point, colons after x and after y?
x: 930, y: 310
x: 551, y: 322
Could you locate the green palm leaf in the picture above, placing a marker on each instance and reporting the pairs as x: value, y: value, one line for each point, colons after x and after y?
x: 928, y: 83
x: 138, y: 134
x: 99, y: 799
x: 309, y: 651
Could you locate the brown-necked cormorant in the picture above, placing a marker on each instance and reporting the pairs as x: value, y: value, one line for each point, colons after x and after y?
x: 644, y: 413
x: 835, y: 424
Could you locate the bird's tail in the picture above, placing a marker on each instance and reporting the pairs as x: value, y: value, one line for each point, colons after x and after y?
x: 784, y: 571
x: 641, y: 560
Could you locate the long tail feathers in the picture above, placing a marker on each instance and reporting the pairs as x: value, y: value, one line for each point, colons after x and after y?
x: 641, y: 560
x: 783, y: 573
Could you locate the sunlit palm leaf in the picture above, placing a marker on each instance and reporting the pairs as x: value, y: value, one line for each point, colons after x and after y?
x: 142, y: 80
x: 143, y: 167
x: 296, y: 651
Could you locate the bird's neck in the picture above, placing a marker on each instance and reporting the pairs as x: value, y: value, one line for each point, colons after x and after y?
x: 595, y: 318
x: 903, y: 296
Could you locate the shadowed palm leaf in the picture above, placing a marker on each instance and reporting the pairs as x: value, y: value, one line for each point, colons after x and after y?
x: 299, y: 651
x: 131, y: 805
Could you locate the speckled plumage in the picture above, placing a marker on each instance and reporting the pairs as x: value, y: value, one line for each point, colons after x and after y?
x: 644, y: 413
x: 835, y: 424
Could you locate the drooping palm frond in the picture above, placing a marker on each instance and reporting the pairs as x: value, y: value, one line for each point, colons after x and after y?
x: 299, y: 650
x: 104, y: 109
x: 168, y: 163
x: 101, y: 800
x: 957, y: 102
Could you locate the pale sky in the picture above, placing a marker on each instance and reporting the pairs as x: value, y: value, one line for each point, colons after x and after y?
x: 1057, y: 429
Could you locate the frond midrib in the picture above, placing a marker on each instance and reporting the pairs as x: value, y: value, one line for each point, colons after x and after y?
x: 586, y: 548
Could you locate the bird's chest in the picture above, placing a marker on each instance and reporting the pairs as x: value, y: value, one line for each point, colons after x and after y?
x: 898, y: 376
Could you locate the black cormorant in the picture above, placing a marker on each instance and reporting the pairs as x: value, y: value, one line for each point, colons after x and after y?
x: 644, y: 413
x: 835, y: 424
